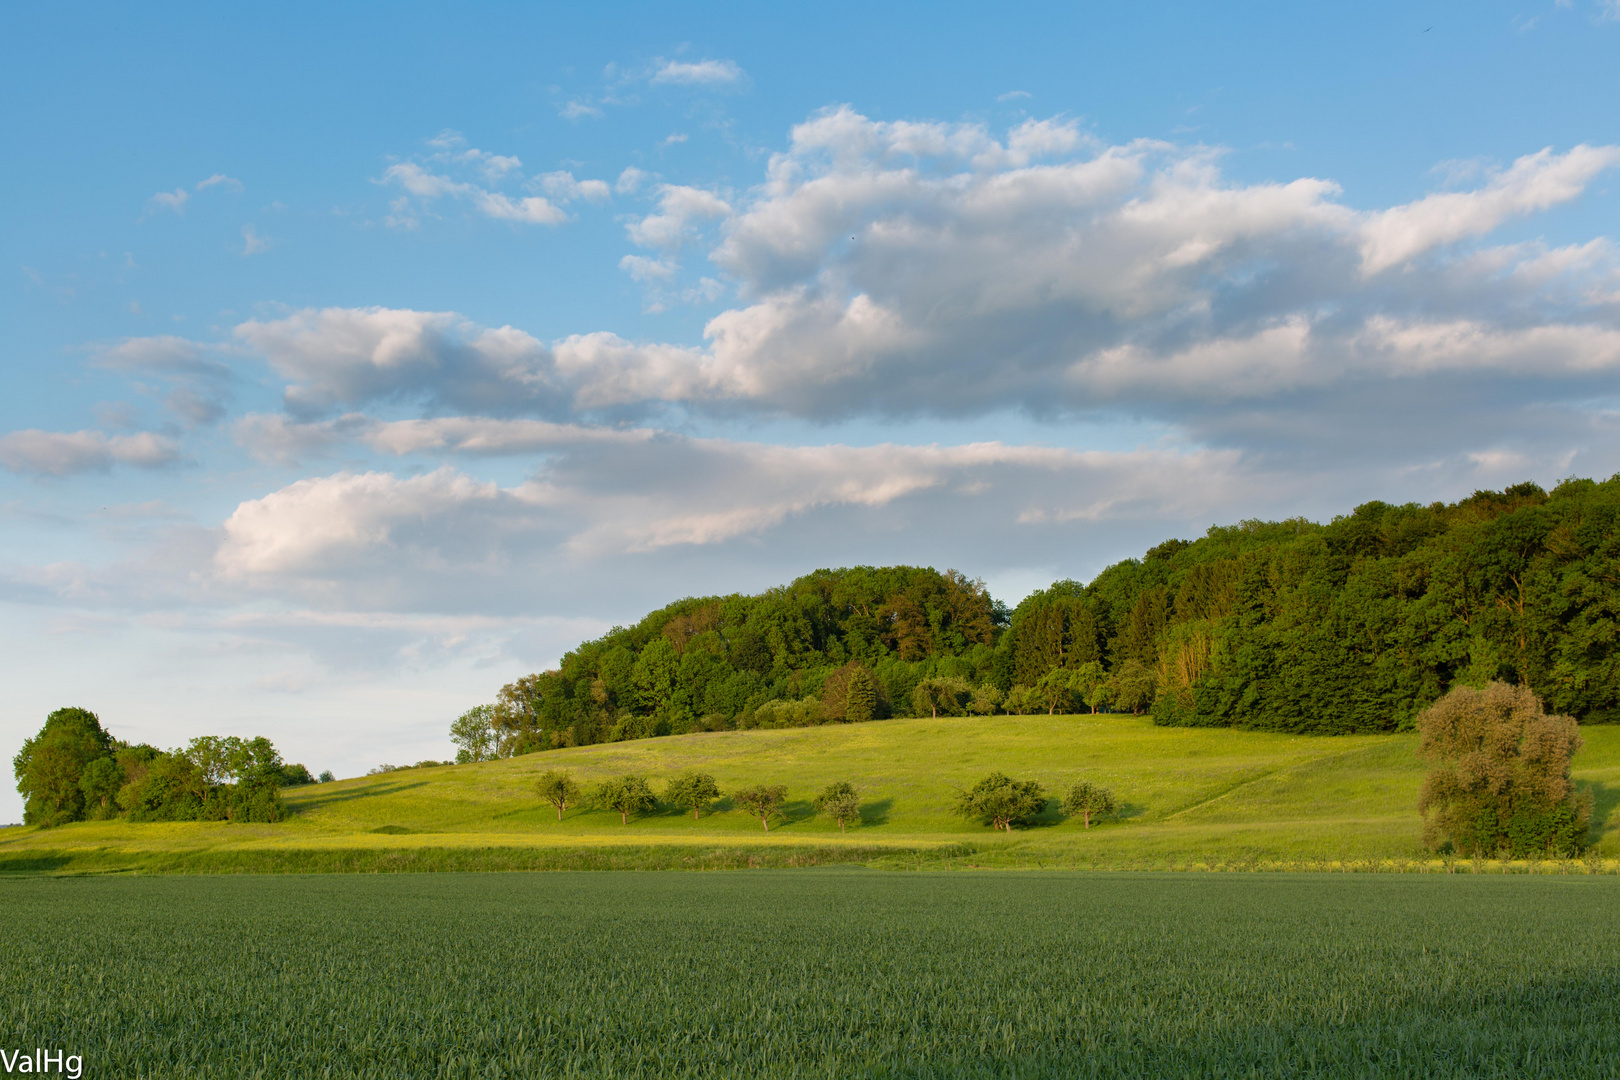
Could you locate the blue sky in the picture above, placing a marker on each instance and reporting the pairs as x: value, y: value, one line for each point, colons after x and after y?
x: 357, y: 362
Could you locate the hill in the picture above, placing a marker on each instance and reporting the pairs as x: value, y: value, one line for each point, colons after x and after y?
x: 1354, y: 626
x: 1189, y: 796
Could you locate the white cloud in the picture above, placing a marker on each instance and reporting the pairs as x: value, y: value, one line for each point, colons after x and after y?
x: 679, y: 209
x: 564, y: 188
x: 1014, y: 95
x: 61, y: 453
x: 253, y: 243
x: 630, y: 180
x: 1534, y: 182
x: 170, y: 200
x: 579, y: 110
x: 697, y: 73
x: 429, y: 186
x: 220, y: 180
x: 646, y: 270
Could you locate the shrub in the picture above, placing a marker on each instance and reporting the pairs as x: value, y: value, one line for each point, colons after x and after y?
x: 1499, y: 775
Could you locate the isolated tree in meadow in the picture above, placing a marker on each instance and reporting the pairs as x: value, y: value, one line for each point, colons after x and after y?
x: 50, y: 765
x: 763, y: 802
x: 861, y: 698
x: 473, y: 732
x: 1499, y: 774
x: 840, y: 801
x: 1086, y: 799
x: 694, y: 791
x: 1002, y: 801
x: 558, y: 789
x: 326, y: 777
x: 627, y: 795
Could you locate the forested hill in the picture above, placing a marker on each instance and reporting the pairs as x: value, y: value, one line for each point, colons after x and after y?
x: 1356, y: 625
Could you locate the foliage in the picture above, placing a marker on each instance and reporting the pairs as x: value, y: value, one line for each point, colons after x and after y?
x: 1353, y: 626
x: 949, y: 696
x: 473, y: 732
x: 694, y: 791
x: 50, y: 765
x: 1002, y: 801
x: 1499, y: 776
x: 624, y: 795
x: 840, y: 801
x: 73, y: 770
x: 762, y: 801
x: 1086, y: 799
x: 558, y: 789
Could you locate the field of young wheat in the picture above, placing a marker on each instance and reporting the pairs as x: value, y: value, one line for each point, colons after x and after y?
x: 816, y: 973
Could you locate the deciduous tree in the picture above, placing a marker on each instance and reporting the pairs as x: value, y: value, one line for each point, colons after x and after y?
x: 695, y: 791
x: 763, y: 802
x: 50, y: 765
x: 1086, y: 799
x: 840, y: 801
x: 1002, y: 801
x: 473, y: 732
x: 558, y: 789
x: 625, y: 796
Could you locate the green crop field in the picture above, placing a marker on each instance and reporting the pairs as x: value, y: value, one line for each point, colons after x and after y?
x: 838, y: 972
x: 1191, y: 797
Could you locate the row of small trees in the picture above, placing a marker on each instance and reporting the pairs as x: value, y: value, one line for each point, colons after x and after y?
x: 997, y: 799
x: 694, y: 791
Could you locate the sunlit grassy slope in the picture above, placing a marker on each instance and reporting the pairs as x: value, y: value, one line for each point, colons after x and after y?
x: 1187, y: 794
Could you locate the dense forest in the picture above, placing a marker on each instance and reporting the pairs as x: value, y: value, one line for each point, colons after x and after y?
x: 1352, y: 626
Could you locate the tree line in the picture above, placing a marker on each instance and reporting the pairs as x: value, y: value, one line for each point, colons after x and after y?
x: 997, y: 800
x: 73, y: 770
x: 1357, y: 625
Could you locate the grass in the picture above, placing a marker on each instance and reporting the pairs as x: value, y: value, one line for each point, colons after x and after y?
x: 822, y: 973
x: 1190, y: 797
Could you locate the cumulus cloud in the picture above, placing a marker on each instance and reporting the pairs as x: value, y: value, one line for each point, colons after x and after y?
x: 198, y: 384
x: 680, y: 210
x: 914, y: 268
x: 63, y: 453
x: 696, y: 73
x: 603, y: 495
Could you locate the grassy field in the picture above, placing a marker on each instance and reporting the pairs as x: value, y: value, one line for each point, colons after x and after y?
x: 1190, y: 797
x: 838, y: 972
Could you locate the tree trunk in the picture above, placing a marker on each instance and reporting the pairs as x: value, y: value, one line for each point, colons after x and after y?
x: 694, y: 813
x: 765, y: 821
x: 840, y: 826
x: 1086, y: 814
x: 559, y: 812
x: 624, y: 817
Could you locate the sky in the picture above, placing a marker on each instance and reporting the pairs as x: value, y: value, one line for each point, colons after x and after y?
x: 359, y: 361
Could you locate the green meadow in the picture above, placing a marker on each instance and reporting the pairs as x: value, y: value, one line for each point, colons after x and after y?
x: 839, y: 972
x: 1190, y: 797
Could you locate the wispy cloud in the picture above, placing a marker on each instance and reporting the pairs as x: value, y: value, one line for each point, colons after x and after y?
x: 696, y: 73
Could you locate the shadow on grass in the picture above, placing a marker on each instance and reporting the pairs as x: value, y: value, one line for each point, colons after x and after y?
x: 1604, y: 800
x: 367, y: 792
x: 876, y: 812
x: 32, y: 864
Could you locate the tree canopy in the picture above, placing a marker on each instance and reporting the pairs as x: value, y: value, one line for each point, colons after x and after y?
x: 1356, y: 625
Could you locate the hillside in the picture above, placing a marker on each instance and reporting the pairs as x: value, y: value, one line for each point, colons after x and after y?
x: 1189, y: 795
x: 1354, y: 626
